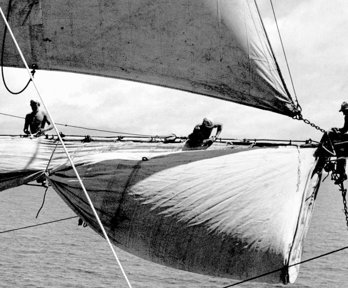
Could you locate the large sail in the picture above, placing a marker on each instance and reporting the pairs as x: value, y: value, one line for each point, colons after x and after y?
x: 229, y: 211
x: 216, y: 48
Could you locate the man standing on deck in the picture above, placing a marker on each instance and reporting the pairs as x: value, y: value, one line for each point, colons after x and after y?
x: 200, y: 137
x: 36, y: 120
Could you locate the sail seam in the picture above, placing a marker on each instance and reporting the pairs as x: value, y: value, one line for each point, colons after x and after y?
x: 248, y: 46
x: 123, y: 194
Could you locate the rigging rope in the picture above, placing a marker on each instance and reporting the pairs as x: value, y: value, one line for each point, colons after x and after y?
x: 43, y: 202
x: 344, y: 194
x: 299, y: 117
x: 40, y: 224
x: 286, y: 59
x: 67, y: 153
x: 46, y: 174
x: 274, y: 58
x: 235, y: 284
x: 2, y: 58
x: 295, y: 264
x: 221, y: 140
x: 85, y: 128
x: 336, y: 167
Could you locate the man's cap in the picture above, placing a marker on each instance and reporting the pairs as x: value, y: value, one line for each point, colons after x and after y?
x: 34, y: 102
x: 344, y: 106
x: 208, y: 123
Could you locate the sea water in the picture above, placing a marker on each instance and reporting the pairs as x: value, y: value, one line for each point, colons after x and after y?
x: 64, y: 254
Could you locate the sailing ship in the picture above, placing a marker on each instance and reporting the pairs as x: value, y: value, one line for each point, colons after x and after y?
x: 236, y: 209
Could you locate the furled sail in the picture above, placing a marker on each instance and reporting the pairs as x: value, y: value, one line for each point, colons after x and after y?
x: 230, y: 211
x: 216, y: 48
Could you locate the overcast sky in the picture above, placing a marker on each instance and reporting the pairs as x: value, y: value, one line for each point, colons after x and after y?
x: 315, y: 38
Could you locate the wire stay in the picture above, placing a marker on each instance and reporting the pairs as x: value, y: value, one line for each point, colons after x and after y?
x: 66, y: 151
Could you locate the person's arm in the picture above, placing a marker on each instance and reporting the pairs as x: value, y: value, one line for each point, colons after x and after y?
x: 218, y: 127
x: 218, y: 130
x: 344, y: 129
x: 26, y: 125
x: 45, y: 120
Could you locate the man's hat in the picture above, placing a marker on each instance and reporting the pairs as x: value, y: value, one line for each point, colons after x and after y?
x: 344, y: 106
x: 34, y: 102
x: 208, y: 123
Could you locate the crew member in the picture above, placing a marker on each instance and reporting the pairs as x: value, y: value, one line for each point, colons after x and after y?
x: 341, y: 159
x: 36, y: 120
x: 200, y: 137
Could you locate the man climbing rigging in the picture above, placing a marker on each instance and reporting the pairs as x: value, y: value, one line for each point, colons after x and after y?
x: 200, y: 137
x: 36, y: 120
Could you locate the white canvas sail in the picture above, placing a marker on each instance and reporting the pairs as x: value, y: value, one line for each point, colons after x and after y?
x: 229, y: 211
x: 216, y: 48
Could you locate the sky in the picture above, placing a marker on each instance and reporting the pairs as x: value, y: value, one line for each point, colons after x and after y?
x: 314, y: 35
